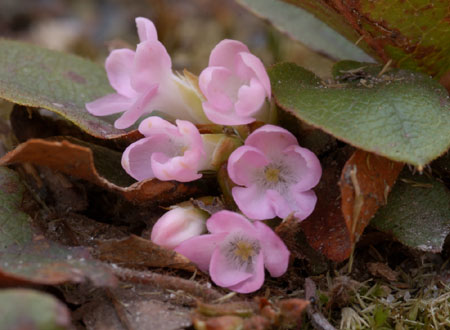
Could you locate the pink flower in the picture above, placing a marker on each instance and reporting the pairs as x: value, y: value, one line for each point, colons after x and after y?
x: 178, y: 225
x: 167, y: 152
x: 144, y: 82
x: 235, y: 85
x: 236, y: 252
x: 276, y: 175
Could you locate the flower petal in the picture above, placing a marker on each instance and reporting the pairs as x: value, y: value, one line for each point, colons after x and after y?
x: 225, y: 52
x: 255, y: 282
x: 211, y: 83
x: 271, y: 139
x: 137, y: 109
x: 276, y: 254
x: 156, y: 125
x: 258, y: 68
x: 200, y: 249
x: 224, y: 273
x: 146, y: 29
x: 152, y: 65
x: 305, y: 166
x: 242, y: 164
x: 304, y: 202
x: 250, y: 99
x: 173, y: 168
x: 229, y: 222
x: 119, y: 67
x: 220, y: 118
x: 136, y: 159
x: 253, y: 202
x: 109, y: 104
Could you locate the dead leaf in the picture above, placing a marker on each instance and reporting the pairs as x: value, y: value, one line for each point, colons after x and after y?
x: 379, y: 269
x: 137, y: 252
x: 366, y: 181
x: 78, y: 161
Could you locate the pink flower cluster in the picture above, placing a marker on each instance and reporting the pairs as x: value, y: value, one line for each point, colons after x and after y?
x: 274, y: 176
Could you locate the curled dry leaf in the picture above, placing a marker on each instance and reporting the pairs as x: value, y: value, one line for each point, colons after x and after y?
x: 365, y: 182
x: 137, y: 252
x: 78, y: 161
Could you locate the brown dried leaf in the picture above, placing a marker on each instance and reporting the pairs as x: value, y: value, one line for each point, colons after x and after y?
x: 79, y: 162
x: 365, y: 183
x: 379, y: 269
x: 137, y: 252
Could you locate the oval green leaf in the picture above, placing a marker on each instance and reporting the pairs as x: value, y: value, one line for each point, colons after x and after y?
x: 402, y: 115
x: 62, y: 83
x: 30, y: 309
x: 417, y: 213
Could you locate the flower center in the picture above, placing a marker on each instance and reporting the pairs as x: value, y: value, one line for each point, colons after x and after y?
x: 244, y: 250
x: 272, y: 174
x: 241, y: 250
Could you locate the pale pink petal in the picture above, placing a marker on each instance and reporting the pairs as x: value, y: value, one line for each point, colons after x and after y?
x: 146, y: 29
x: 152, y: 65
x: 229, y: 222
x: 258, y: 68
x: 223, y: 273
x: 242, y: 164
x: 255, y: 282
x: 225, y: 53
x: 276, y: 254
x: 178, y: 225
x: 173, y: 168
x: 119, y: 67
x: 156, y: 125
x: 130, y: 116
x: 199, y: 249
x: 211, y: 83
x: 280, y: 204
x: 221, y: 118
x: 253, y: 202
x: 271, y: 139
x: 136, y: 159
x: 304, y: 203
x: 304, y: 166
x: 190, y: 134
x: 250, y: 99
x: 109, y: 104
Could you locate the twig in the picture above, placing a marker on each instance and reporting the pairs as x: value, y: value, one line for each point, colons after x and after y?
x: 318, y: 321
x: 167, y: 282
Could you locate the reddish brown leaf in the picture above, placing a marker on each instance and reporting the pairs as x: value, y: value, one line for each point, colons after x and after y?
x: 325, y: 228
x: 78, y: 161
x: 138, y: 252
x: 365, y: 183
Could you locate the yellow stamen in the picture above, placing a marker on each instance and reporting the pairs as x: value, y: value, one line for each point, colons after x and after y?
x: 244, y: 250
x: 272, y: 174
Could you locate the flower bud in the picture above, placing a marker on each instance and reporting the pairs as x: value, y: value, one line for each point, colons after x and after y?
x: 179, y: 224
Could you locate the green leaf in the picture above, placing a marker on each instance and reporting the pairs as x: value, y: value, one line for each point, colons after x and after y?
x: 415, y: 34
x: 26, y: 257
x: 62, y: 83
x: 417, y: 213
x: 30, y: 309
x: 306, y: 28
x: 402, y: 115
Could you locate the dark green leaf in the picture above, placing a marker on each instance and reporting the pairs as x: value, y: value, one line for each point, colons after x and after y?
x: 30, y: 309
x: 417, y: 213
x: 62, y: 83
x: 306, y: 28
x: 402, y: 115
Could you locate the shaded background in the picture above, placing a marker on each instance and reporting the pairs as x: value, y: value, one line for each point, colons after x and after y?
x: 189, y: 29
